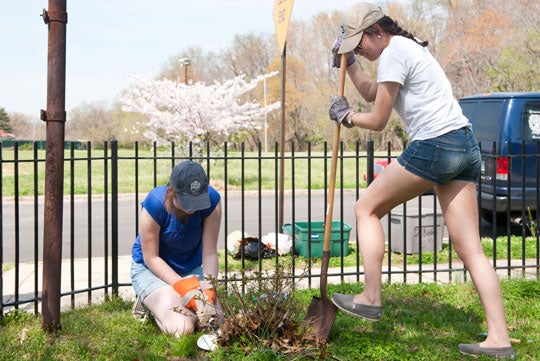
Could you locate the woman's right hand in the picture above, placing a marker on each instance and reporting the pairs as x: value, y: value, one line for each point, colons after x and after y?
x: 339, y: 108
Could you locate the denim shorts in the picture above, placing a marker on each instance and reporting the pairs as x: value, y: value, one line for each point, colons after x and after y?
x: 452, y: 156
x: 145, y: 281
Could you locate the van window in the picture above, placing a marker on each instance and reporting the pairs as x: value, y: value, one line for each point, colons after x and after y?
x: 485, y: 120
x: 530, y: 123
x: 468, y: 109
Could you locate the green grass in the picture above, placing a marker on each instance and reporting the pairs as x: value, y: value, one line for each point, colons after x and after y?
x: 420, y: 322
x: 397, y: 259
x: 240, y: 170
x: 517, y: 244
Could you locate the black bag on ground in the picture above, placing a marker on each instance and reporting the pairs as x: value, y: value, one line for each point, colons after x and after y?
x: 252, y: 249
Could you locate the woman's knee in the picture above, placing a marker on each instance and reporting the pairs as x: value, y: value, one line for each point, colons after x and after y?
x: 179, y: 326
x: 359, y: 209
x: 176, y: 322
x: 472, y: 257
x: 170, y: 316
x: 362, y: 210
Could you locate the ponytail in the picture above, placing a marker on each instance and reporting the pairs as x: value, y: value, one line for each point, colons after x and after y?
x: 391, y: 27
x: 170, y: 194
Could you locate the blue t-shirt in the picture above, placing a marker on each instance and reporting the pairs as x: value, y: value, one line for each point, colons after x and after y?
x: 180, y: 245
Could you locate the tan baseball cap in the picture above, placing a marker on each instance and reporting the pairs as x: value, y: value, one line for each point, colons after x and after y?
x: 357, y: 18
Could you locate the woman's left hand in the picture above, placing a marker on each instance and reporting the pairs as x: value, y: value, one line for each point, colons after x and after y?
x: 209, y: 311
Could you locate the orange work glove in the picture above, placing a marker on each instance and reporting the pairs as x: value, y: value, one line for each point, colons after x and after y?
x: 190, y: 290
x: 210, y: 295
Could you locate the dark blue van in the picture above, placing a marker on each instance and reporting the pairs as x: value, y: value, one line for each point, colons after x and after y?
x: 507, y: 126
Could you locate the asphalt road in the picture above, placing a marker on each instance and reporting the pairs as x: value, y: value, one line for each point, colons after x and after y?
x: 22, y: 236
x: 84, y: 228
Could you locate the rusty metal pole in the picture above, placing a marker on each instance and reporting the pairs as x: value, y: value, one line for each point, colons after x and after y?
x: 55, y: 118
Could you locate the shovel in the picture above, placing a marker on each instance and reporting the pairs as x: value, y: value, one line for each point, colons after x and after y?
x: 322, y: 312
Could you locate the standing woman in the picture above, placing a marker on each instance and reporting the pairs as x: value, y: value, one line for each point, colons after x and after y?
x: 176, y: 251
x: 442, y: 153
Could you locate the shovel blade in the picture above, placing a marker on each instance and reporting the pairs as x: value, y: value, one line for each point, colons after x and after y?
x: 320, y: 316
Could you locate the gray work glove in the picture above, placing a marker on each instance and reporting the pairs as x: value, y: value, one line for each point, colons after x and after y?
x: 339, y: 108
x: 336, y: 58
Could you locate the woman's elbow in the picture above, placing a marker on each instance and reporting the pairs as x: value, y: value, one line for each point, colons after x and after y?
x: 379, y: 125
x: 370, y: 97
x: 149, y: 260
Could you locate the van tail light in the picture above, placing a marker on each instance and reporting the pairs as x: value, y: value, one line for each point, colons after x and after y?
x: 501, y: 169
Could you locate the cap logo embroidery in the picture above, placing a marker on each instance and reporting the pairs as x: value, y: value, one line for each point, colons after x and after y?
x: 195, y: 187
x: 342, y: 30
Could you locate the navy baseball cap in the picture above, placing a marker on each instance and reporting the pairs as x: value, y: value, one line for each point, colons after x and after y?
x: 189, y: 181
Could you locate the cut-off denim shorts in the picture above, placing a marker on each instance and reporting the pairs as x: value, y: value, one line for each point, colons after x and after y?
x: 145, y: 281
x: 452, y: 156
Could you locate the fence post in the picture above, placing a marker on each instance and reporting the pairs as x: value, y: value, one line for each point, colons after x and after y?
x: 370, y: 160
x: 114, y: 216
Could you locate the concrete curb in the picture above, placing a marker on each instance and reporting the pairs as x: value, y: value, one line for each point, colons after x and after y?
x: 81, y: 280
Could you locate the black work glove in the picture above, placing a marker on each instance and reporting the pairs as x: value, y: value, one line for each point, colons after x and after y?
x: 339, y: 108
x: 336, y: 58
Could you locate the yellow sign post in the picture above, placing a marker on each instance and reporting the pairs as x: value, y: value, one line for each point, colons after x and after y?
x: 282, y: 16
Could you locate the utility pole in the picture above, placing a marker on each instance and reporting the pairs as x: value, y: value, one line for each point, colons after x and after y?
x: 265, y: 121
x: 184, y: 62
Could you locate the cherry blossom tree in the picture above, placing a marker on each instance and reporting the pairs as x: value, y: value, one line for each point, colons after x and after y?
x: 196, y: 112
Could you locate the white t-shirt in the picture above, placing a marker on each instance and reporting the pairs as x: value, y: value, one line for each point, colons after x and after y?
x: 425, y: 101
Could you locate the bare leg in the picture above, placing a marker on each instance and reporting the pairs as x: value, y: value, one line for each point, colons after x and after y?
x: 459, y: 206
x: 171, y: 317
x: 392, y: 187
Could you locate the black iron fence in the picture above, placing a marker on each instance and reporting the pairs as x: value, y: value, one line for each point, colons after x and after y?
x: 104, y: 186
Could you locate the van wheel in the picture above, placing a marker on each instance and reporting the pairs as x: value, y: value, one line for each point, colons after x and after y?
x: 487, y: 215
x: 531, y: 227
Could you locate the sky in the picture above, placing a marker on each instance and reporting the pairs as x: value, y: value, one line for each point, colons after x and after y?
x: 108, y: 39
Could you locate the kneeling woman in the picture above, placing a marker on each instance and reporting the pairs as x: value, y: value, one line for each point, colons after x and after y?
x: 176, y: 252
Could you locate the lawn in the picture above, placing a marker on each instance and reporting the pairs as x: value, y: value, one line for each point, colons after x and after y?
x: 25, y: 170
x: 420, y: 322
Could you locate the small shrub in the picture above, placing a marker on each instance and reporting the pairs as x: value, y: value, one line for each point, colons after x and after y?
x: 262, y: 313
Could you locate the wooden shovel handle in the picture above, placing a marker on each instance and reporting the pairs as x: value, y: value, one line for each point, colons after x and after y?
x: 332, y: 186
